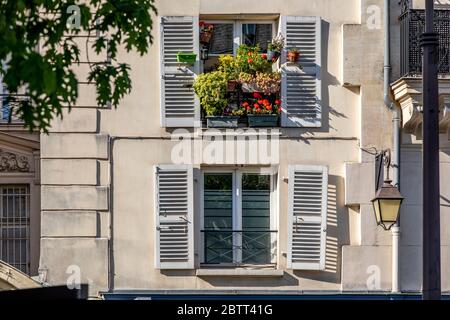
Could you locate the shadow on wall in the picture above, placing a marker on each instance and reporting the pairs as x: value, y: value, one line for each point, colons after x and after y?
x: 338, y: 234
x: 327, y: 80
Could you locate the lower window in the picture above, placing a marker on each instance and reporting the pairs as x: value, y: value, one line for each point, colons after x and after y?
x: 238, y: 219
x: 15, y: 226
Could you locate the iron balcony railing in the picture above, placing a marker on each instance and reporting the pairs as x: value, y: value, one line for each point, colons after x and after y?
x: 9, y: 105
x: 239, y: 247
x: 412, y: 25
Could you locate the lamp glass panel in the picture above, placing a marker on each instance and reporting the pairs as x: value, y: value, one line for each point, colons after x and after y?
x: 389, y: 209
x: 376, y: 208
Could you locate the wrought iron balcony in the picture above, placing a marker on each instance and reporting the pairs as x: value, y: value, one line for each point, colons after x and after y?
x: 9, y: 106
x: 412, y: 25
x: 239, y: 248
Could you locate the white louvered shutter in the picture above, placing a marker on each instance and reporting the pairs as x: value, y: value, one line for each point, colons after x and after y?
x: 301, y: 91
x: 180, y: 106
x: 307, y: 217
x: 174, y: 217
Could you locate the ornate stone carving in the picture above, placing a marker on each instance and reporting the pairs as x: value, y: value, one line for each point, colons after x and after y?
x: 11, y: 162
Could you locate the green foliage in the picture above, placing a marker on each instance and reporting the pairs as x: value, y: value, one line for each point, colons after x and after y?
x: 48, y: 74
x: 229, y: 66
x: 250, y: 60
x: 211, y: 88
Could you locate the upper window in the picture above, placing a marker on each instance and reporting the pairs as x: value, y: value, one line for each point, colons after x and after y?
x: 224, y: 37
x: 254, y: 34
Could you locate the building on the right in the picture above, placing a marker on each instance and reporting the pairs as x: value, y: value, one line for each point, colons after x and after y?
x: 407, y: 91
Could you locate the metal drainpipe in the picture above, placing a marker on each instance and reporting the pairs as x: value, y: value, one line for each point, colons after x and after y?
x: 395, y: 161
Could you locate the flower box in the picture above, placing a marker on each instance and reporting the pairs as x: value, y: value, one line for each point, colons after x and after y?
x: 188, y: 58
x: 262, y: 120
x: 250, y: 87
x: 222, y: 121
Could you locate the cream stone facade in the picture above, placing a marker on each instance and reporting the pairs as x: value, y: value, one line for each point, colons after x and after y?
x: 100, y: 168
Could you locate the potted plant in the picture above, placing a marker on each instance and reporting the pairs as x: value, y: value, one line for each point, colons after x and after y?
x: 211, y: 88
x: 274, y: 48
x: 293, y: 55
x: 206, y: 32
x: 261, y: 112
x: 266, y: 82
x: 188, y: 58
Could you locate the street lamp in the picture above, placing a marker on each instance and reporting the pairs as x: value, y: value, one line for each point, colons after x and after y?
x: 386, y: 205
x: 388, y: 199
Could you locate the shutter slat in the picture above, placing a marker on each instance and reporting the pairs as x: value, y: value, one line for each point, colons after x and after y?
x: 307, y: 217
x: 301, y: 88
x: 174, y: 217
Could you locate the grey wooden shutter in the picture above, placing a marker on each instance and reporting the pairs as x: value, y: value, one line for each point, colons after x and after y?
x: 307, y: 217
x: 174, y: 217
x: 301, y: 92
x: 179, y: 104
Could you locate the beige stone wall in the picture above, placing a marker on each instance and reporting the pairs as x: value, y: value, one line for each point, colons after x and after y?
x: 98, y: 181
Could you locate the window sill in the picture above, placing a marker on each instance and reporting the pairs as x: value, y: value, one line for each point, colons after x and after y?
x: 256, y: 273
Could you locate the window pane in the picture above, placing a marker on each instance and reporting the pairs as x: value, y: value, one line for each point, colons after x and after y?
x: 218, y: 214
x: 256, y: 219
x: 254, y: 34
x: 14, y: 226
x: 222, y: 39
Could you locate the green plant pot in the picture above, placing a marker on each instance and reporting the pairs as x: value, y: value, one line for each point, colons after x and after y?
x: 188, y: 58
x: 262, y: 120
x: 222, y: 121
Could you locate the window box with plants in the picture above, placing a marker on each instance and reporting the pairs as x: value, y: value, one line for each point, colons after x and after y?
x: 212, y: 89
x: 248, y: 77
x: 262, y: 111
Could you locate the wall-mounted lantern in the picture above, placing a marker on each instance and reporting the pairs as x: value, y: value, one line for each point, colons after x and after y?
x: 387, y: 201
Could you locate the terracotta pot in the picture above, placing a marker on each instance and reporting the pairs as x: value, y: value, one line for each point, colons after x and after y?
x: 231, y: 86
x: 205, y: 37
x: 293, y: 56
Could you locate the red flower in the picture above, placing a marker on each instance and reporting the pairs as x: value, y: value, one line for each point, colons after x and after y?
x: 249, y: 54
x: 269, y: 107
x: 248, y: 108
x: 266, y: 102
x: 280, y: 110
x: 261, y: 102
x: 256, y: 95
x: 278, y: 102
x: 250, y: 60
x: 245, y: 104
x: 264, y: 56
x: 202, y: 23
x: 256, y: 106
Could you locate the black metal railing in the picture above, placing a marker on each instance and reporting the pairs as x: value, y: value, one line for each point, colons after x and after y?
x: 9, y: 106
x: 239, y: 247
x: 412, y: 25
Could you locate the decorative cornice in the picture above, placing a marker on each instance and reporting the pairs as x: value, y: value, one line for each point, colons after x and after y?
x: 408, y: 93
x: 15, y: 278
x: 11, y: 162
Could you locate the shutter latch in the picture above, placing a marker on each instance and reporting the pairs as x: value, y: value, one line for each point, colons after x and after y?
x: 184, y: 219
